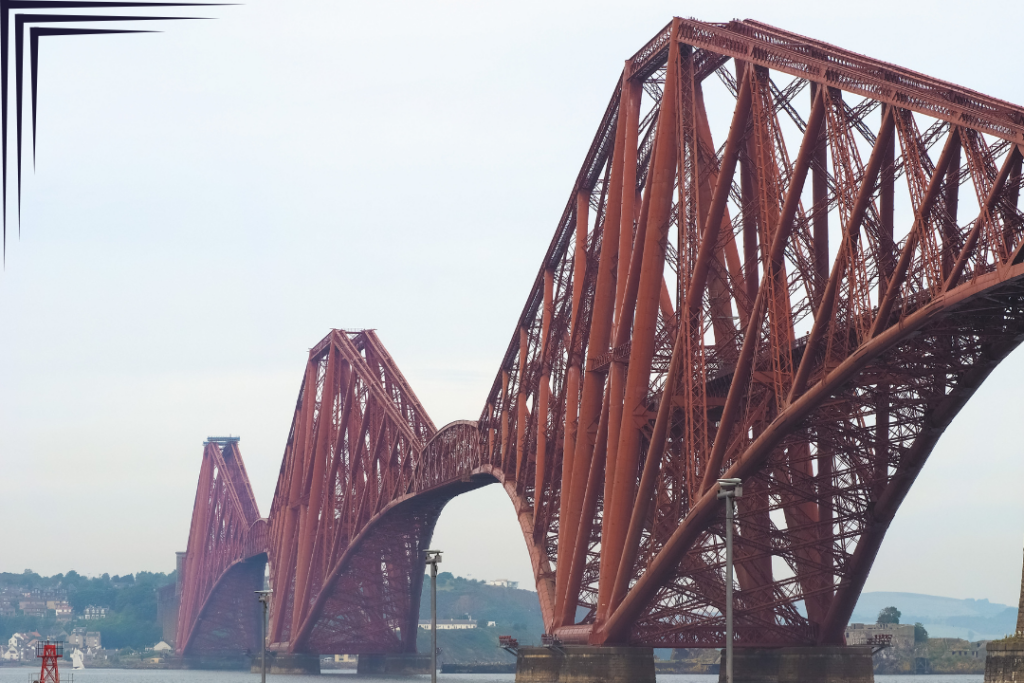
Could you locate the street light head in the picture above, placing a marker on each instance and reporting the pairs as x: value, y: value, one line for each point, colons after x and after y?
x: 433, y: 556
x: 730, y: 488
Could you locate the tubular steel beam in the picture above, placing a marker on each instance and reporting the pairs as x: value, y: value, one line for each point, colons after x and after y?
x: 650, y: 359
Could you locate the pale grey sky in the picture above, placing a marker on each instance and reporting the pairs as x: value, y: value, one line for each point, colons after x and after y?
x: 210, y: 200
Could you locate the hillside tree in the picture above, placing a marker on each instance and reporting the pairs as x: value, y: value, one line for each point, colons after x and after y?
x: 889, y: 615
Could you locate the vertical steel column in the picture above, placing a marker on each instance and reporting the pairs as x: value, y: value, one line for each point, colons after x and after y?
x: 748, y: 170
x: 311, y: 509
x: 951, y: 197
x: 505, y: 398
x: 543, y: 396
x: 632, y: 91
x: 289, y: 538
x: 572, y: 395
x: 886, y: 207
x: 819, y: 215
x: 600, y: 331
x: 623, y: 469
x: 521, y: 412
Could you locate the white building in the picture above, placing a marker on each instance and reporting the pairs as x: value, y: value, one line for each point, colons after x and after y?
x: 162, y: 647
x: 92, y: 612
x: 62, y: 609
x: 503, y: 583
x: 450, y: 624
x: 859, y: 634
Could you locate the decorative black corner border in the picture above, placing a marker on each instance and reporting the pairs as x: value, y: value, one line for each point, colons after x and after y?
x: 25, y: 13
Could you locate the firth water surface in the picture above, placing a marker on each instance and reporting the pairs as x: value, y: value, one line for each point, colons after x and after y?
x: 23, y: 675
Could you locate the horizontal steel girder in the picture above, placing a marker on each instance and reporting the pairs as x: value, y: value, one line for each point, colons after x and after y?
x: 802, y: 293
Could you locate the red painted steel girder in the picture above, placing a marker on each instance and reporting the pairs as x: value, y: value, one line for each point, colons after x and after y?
x: 352, y: 451
x: 357, y: 500
x: 802, y: 293
x: 225, y: 560
x: 805, y: 301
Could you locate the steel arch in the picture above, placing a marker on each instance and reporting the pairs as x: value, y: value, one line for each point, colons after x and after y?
x: 802, y: 294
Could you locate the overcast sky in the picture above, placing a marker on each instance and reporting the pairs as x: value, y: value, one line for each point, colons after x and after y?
x: 209, y: 201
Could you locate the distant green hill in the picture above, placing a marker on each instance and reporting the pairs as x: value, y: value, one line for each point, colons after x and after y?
x: 131, y: 622
x: 515, y: 613
x: 943, y: 617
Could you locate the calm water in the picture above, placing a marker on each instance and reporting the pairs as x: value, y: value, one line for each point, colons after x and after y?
x: 22, y: 675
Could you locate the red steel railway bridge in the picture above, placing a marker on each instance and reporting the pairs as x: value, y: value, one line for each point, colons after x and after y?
x: 780, y: 261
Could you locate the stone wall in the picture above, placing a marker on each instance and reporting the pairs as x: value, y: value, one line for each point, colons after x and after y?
x: 801, y: 665
x: 582, y: 664
x: 1004, y: 662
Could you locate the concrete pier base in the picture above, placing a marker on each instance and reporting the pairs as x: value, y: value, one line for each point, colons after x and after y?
x: 285, y: 663
x: 1004, y: 662
x: 800, y: 665
x: 239, y: 662
x: 394, y: 664
x: 582, y: 664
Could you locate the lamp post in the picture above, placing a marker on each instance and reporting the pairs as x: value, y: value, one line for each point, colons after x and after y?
x: 433, y: 558
x: 264, y: 598
x: 729, y: 490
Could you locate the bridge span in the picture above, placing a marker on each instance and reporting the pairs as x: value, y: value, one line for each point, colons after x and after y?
x: 802, y: 294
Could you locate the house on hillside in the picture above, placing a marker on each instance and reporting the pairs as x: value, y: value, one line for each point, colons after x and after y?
x: 61, y: 608
x: 33, y: 608
x: 503, y: 583
x: 77, y: 637
x: 93, y: 612
x: 61, y: 636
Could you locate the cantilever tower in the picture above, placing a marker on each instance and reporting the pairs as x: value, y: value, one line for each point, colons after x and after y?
x: 780, y: 261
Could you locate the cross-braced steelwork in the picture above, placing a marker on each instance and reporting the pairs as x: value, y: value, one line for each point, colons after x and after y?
x: 225, y: 561
x: 803, y: 300
x: 781, y: 262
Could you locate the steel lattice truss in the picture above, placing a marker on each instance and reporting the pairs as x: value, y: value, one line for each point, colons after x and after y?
x: 804, y: 302
x: 225, y: 561
x: 780, y: 261
x: 346, y: 540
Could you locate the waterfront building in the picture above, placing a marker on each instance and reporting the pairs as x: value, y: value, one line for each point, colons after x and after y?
x: 450, y: 624
x: 902, y: 635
